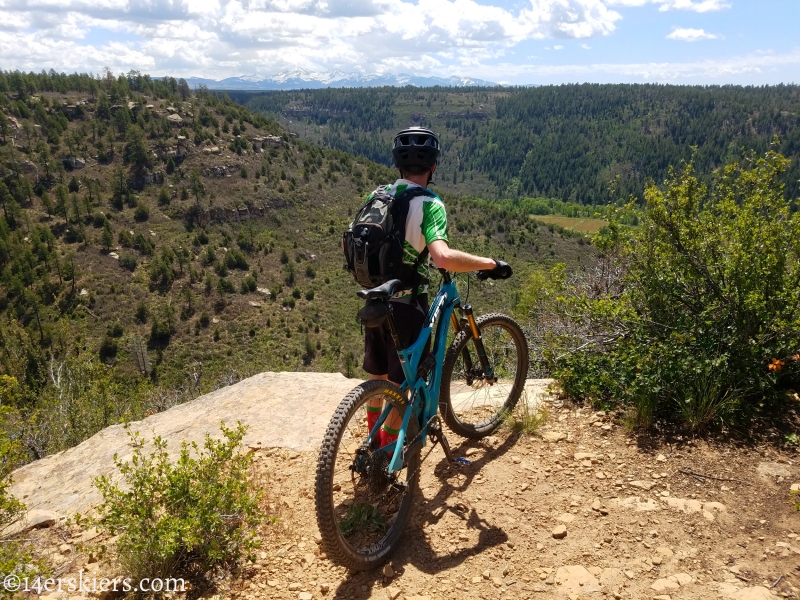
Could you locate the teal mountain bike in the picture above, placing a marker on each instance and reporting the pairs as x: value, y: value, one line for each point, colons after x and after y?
x: 364, y: 493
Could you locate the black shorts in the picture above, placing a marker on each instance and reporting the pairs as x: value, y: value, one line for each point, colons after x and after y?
x: 380, y: 355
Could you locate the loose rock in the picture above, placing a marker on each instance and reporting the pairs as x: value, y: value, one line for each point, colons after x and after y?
x: 559, y: 532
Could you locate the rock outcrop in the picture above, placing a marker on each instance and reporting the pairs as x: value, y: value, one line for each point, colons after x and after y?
x: 286, y: 410
x: 289, y: 410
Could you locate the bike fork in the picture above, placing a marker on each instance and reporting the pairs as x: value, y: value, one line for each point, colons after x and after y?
x: 478, y: 340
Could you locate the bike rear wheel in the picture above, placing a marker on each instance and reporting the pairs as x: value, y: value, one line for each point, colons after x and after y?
x: 361, y: 512
x: 471, y: 404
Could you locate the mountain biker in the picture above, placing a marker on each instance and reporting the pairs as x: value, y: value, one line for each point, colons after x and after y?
x: 415, y: 151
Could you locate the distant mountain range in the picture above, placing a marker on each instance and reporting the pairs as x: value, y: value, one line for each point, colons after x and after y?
x: 304, y: 79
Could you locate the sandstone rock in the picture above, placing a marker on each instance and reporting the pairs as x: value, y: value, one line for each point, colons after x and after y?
x: 392, y: 592
x: 304, y: 596
x: 294, y: 586
x: 559, y: 532
x: 566, y: 518
x: 324, y: 588
x: 644, y: 485
x: 682, y: 578
x: 554, y: 436
x: 661, y: 458
x: 259, y: 402
x: 662, y: 597
x: 575, y: 579
x: 693, y: 506
x: 301, y: 402
x: 33, y: 519
x: 583, y: 456
x: 662, y: 585
x: 774, y: 469
x: 388, y: 571
x: 634, y: 502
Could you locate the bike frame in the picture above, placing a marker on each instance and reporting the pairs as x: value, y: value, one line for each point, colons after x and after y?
x: 423, y: 396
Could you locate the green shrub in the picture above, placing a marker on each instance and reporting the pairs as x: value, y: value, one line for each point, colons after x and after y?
x: 98, y: 220
x: 142, y: 313
x: 160, y: 333
x: 249, y: 284
x: 706, y: 327
x: 225, y: 287
x: 128, y: 262
x: 201, y: 238
x: 115, y: 330
x: 192, y: 515
x: 235, y: 259
x: 16, y: 557
x: 108, y: 349
x: 144, y: 244
x: 142, y: 212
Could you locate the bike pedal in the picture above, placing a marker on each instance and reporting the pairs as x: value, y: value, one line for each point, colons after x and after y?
x: 462, y: 461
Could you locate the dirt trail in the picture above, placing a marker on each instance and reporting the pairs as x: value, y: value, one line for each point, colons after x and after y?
x: 689, y: 520
x: 637, y: 525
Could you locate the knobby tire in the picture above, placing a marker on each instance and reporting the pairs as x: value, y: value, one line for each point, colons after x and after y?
x: 455, y: 378
x: 334, y: 542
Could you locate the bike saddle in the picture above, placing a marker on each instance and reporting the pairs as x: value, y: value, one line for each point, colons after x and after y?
x: 386, y: 290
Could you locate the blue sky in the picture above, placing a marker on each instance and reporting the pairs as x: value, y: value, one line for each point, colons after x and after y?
x: 506, y: 41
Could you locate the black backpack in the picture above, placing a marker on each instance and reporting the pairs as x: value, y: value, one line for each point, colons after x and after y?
x: 373, y: 244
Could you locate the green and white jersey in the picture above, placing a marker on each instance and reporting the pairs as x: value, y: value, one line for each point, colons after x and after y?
x: 426, y: 223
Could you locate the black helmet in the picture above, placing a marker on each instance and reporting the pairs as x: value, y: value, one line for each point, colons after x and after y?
x: 415, y: 147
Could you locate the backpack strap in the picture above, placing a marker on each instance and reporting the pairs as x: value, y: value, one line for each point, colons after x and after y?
x: 400, y: 225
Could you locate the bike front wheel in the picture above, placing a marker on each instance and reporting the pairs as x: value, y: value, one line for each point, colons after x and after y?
x: 361, y: 510
x: 472, y: 404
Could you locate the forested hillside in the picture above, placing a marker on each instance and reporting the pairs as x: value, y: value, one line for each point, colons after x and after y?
x: 589, y: 143
x: 156, y: 244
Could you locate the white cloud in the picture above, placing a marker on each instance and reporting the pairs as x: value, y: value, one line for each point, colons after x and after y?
x: 753, y: 66
x: 699, y: 6
x: 558, y: 47
x: 690, y: 35
x: 217, y: 38
x: 586, y: 46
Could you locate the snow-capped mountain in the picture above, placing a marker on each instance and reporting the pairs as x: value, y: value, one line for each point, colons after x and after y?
x: 305, y: 79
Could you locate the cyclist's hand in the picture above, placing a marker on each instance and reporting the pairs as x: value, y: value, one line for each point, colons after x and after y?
x: 502, y: 270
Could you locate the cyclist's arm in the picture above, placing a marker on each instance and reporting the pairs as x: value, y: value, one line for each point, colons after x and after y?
x: 450, y: 259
